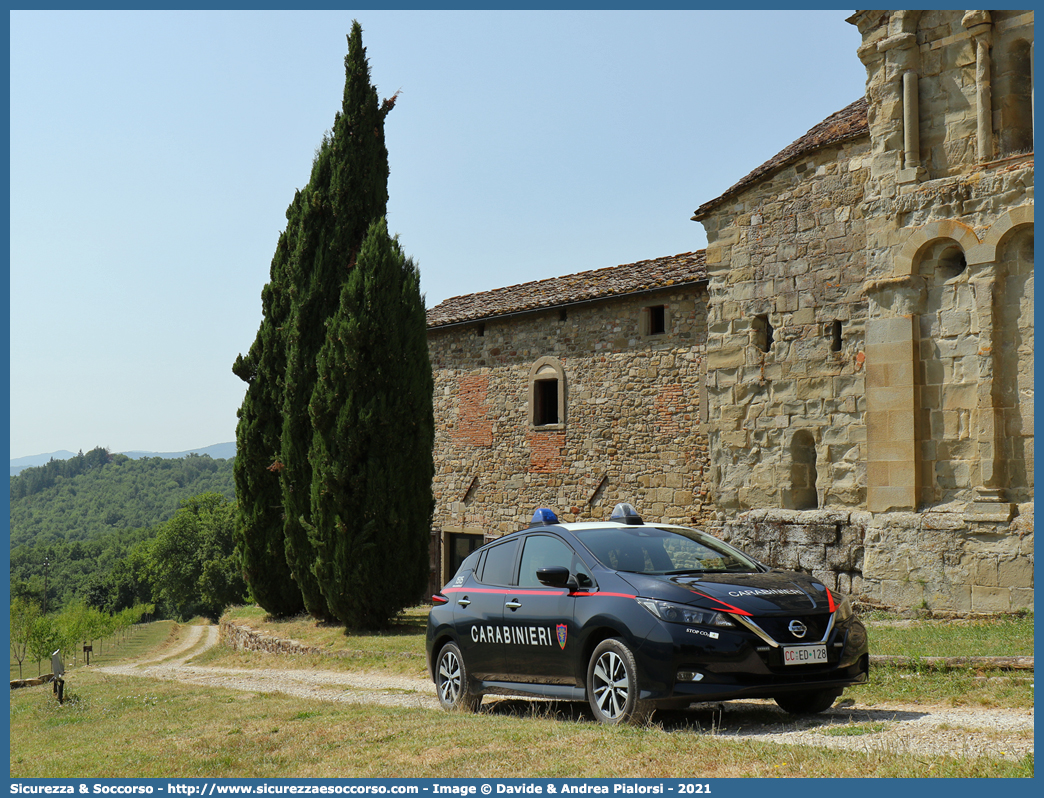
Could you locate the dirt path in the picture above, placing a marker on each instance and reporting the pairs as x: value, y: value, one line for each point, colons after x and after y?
x: 895, y: 728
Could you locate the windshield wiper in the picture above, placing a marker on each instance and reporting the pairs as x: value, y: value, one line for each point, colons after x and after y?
x: 686, y: 571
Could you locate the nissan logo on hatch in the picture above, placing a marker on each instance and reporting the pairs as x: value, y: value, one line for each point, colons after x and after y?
x: 797, y: 628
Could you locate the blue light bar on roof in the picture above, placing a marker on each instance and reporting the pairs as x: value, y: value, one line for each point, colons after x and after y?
x: 543, y: 517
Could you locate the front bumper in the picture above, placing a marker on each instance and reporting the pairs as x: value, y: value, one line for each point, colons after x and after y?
x: 738, y: 664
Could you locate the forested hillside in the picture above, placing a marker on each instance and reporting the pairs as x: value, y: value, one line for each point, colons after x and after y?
x: 107, y: 531
x: 97, y: 493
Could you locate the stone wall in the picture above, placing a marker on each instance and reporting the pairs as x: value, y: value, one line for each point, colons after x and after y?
x: 243, y: 638
x: 870, y: 346
x: 786, y: 258
x: 827, y: 543
x: 631, y: 425
x: 932, y: 560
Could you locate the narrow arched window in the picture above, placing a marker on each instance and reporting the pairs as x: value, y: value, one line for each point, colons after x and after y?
x: 803, y: 474
x: 1015, y: 87
x: 547, y: 386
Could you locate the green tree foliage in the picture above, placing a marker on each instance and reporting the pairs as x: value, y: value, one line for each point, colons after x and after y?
x: 98, y: 570
x: 46, y: 638
x: 259, y: 527
x: 372, y: 448
x: 326, y: 224
x: 38, y: 479
x: 96, y: 493
x: 194, y: 566
x: 24, y: 615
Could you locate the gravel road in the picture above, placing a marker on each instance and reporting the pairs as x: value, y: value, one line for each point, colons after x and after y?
x: 892, y: 728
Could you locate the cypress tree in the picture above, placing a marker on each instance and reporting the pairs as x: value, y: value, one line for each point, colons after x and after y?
x: 372, y: 448
x: 348, y: 189
x: 259, y: 493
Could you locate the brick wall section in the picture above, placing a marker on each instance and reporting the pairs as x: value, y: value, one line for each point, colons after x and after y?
x: 473, y: 425
x: 621, y: 388
x: 669, y: 406
x: 546, y: 452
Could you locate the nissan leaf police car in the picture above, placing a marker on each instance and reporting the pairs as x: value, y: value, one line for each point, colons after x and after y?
x: 632, y: 617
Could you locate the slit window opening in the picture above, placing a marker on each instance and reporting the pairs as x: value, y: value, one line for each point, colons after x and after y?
x: 763, y: 332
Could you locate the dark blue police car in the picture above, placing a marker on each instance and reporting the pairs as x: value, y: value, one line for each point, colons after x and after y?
x: 632, y: 617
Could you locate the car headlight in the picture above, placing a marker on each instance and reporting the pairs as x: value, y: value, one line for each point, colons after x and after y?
x: 844, y: 610
x: 683, y: 613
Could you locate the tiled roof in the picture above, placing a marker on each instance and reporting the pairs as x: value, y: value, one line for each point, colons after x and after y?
x: 646, y: 275
x: 848, y: 123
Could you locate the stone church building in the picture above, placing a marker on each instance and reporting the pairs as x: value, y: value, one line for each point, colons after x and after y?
x: 841, y: 382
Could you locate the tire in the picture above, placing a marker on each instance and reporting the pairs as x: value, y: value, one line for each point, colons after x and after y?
x: 612, y: 686
x: 806, y: 703
x: 452, y: 683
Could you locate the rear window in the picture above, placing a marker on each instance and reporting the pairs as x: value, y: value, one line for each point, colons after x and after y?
x: 499, y: 567
x: 657, y: 550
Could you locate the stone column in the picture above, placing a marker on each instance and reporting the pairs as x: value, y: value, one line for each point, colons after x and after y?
x: 990, y: 502
x: 912, y: 171
x: 979, y: 26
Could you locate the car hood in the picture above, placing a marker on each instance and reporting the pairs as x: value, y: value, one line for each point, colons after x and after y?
x: 758, y: 594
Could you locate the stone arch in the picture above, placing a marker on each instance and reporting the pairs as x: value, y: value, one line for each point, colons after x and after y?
x: 1007, y: 224
x: 547, y: 393
x: 908, y: 257
x: 946, y: 374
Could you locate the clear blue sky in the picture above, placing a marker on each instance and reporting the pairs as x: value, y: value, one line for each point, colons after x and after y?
x: 153, y: 155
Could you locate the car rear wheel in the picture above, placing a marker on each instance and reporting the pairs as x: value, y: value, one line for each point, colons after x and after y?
x: 451, y: 681
x: 806, y: 703
x: 612, y: 685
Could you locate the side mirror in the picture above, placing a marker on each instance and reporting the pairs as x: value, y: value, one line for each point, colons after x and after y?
x: 555, y: 576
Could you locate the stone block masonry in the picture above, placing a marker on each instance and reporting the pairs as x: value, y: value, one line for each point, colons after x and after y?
x: 631, y: 428
x: 842, y: 382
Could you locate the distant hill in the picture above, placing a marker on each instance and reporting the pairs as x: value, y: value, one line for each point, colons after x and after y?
x: 18, y: 463
x: 219, y: 451
x: 98, y: 492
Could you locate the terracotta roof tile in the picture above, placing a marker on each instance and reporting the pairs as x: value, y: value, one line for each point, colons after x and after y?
x: 848, y: 123
x: 688, y: 267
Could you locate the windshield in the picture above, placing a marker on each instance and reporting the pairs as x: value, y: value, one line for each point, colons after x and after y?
x: 658, y: 550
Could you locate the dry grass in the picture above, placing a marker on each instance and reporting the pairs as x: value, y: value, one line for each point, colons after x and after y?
x: 115, y: 726
x: 124, y: 727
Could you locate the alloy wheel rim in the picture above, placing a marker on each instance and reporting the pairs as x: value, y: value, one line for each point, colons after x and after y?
x: 449, y: 677
x: 611, y: 685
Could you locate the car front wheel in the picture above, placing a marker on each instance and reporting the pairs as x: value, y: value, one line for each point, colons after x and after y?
x: 612, y: 685
x: 451, y: 681
x: 806, y: 703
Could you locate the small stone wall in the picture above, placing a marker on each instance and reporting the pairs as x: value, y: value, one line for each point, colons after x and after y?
x: 244, y: 638
x: 928, y: 560
x: 827, y: 543
x: 34, y: 682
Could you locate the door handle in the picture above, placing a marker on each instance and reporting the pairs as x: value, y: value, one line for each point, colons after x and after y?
x: 463, y: 602
x: 514, y: 604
